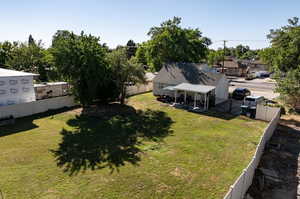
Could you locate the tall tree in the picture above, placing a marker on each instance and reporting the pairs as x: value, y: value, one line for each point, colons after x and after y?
x: 214, y: 57
x: 130, y: 49
x: 125, y: 71
x: 31, y: 41
x: 6, y: 50
x: 80, y: 59
x: 29, y: 58
x: 284, y: 55
x: 240, y: 50
x: 171, y: 43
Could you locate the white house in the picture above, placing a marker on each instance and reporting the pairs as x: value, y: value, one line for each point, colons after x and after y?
x: 193, y: 74
x: 16, y: 87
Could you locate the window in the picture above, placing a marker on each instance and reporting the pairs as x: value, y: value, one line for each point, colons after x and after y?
x: 161, y: 86
x: 2, y: 92
x: 13, y: 90
x: 2, y: 83
x: 10, y: 102
x: 25, y: 81
x: 26, y: 89
x: 13, y: 82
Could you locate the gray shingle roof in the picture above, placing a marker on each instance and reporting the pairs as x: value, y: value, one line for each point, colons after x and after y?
x: 177, y: 73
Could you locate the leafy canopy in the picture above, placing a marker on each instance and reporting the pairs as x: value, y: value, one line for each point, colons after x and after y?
x: 80, y: 59
x: 171, y: 43
x: 125, y: 71
x: 284, y: 56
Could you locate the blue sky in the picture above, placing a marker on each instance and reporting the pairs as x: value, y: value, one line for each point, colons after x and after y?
x: 118, y: 21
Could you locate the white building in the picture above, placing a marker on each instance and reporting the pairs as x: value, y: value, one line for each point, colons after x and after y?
x: 16, y: 87
x: 190, y: 73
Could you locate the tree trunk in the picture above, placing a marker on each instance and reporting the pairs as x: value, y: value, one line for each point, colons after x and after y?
x: 123, y: 94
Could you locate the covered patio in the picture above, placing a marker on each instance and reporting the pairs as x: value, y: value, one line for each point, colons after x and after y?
x: 195, y: 89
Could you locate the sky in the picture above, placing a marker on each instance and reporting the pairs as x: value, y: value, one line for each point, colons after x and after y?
x: 116, y: 21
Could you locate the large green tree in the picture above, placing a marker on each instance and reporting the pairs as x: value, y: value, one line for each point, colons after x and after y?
x: 80, y: 59
x: 172, y: 43
x: 284, y: 55
x: 130, y: 48
x: 28, y: 57
x: 6, y: 51
x: 125, y: 71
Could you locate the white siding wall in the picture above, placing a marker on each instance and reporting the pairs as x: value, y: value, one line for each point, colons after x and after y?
x: 16, y: 90
x: 222, y: 89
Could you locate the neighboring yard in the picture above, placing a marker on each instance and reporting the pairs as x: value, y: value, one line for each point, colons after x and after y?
x: 155, y: 152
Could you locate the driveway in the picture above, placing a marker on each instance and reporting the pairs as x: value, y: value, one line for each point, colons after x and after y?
x: 258, y: 87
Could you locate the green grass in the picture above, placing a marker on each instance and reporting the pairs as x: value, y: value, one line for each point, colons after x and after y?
x: 146, y: 150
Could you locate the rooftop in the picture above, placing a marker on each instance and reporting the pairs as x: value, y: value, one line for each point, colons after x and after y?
x: 14, y: 73
x: 194, y: 88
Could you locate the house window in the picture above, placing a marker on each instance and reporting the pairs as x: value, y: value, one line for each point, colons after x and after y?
x: 25, y: 81
x: 2, y: 83
x: 2, y: 92
x: 13, y: 90
x: 10, y: 102
x: 13, y: 82
x: 161, y: 85
x: 26, y: 89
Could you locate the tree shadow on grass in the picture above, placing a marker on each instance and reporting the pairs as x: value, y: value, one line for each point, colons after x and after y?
x: 26, y: 123
x: 110, y: 141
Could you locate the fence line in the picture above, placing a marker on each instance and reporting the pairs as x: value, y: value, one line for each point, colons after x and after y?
x: 139, y: 88
x: 39, y: 106
x: 241, y: 185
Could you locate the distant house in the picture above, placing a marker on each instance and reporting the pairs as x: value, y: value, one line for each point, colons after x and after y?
x: 233, y: 67
x: 195, y: 74
x: 16, y: 87
x: 255, y: 66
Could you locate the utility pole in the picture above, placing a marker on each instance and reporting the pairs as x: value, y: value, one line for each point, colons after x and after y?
x: 224, y: 55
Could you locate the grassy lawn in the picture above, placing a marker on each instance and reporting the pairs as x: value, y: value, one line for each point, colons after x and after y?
x: 143, y: 150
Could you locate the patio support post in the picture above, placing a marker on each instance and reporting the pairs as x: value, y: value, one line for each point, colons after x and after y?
x: 195, y: 100
x: 205, y: 101
x: 184, y: 97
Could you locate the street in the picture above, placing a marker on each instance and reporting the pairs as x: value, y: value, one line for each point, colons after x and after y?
x: 258, y: 87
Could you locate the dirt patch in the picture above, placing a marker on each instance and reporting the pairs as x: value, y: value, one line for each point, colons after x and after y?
x: 277, y: 175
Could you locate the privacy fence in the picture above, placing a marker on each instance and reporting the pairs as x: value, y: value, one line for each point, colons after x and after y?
x: 39, y: 106
x: 139, y: 88
x: 241, y: 185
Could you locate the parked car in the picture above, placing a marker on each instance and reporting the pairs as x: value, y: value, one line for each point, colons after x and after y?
x: 262, y: 74
x: 250, y: 76
x: 248, y: 107
x: 240, y: 93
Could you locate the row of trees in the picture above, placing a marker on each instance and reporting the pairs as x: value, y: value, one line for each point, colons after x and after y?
x: 98, y: 73
x: 239, y: 52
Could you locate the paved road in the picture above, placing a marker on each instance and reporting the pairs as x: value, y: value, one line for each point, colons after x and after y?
x: 264, y: 87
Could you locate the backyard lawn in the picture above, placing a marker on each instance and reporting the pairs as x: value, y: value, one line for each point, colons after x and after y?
x: 143, y: 150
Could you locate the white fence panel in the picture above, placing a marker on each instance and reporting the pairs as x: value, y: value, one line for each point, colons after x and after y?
x: 139, y: 88
x: 265, y: 113
x: 40, y: 106
x: 241, y: 185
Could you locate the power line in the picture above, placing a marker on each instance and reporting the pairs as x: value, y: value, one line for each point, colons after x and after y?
x: 241, y: 40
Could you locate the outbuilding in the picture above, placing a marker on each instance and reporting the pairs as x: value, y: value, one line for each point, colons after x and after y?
x: 172, y: 75
x: 16, y: 87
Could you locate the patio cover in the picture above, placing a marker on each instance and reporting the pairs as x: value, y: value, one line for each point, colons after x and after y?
x: 169, y: 88
x: 197, y: 88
